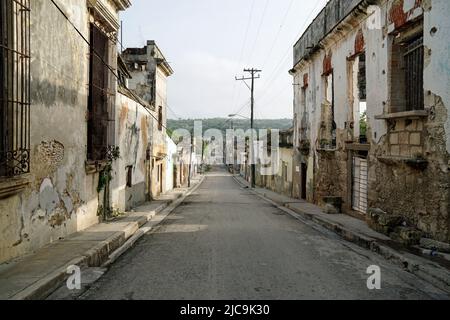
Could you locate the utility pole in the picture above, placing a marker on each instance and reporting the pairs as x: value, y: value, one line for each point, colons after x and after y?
x: 254, y: 74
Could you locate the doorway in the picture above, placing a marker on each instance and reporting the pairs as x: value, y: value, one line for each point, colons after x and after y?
x: 161, y: 188
x: 303, y: 176
x: 360, y: 184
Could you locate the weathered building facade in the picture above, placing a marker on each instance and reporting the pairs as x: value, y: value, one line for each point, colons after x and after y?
x: 56, y: 106
x: 281, y: 181
x: 372, y: 111
x: 149, y: 70
x: 129, y: 178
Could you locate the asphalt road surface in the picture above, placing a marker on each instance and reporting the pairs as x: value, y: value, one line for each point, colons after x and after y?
x: 225, y: 243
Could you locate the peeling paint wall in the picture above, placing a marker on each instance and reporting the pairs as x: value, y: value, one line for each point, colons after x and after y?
x: 160, y: 151
x: 398, y: 184
x: 172, y: 160
x: 61, y: 197
x: 437, y: 73
x: 277, y: 182
x: 150, y: 83
x: 53, y: 205
x: 132, y: 137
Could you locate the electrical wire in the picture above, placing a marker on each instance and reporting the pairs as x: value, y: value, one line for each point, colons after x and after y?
x: 259, y: 31
x: 111, y: 69
x: 275, y: 74
x: 278, y: 33
x: 104, y: 63
x: 244, y: 45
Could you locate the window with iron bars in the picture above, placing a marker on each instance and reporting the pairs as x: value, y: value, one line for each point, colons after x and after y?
x: 414, y: 61
x: 406, y: 72
x: 14, y: 87
x: 99, y: 105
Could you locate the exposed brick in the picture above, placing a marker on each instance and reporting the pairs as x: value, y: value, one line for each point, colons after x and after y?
x: 419, y: 125
x: 395, y: 150
x: 398, y: 16
x: 404, y: 138
x: 415, y: 139
x: 400, y: 125
x: 327, y: 64
x: 416, y: 151
x: 411, y: 125
x: 405, y: 151
x: 359, y: 42
x: 393, y: 138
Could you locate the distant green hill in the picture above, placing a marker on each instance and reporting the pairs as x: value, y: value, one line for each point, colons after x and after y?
x: 224, y: 124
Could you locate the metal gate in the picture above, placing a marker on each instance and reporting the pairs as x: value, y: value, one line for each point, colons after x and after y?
x: 14, y: 87
x: 359, y: 185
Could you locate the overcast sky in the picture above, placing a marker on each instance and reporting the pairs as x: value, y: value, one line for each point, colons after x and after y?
x: 209, y: 42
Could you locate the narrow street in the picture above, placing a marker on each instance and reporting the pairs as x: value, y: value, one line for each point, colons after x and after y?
x: 223, y: 242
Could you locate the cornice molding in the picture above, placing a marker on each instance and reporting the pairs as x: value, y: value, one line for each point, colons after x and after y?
x: 122, y: 4
x: 108, y: 16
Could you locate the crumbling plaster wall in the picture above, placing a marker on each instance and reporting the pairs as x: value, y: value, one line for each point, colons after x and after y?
x: 328, y: 175
x: 133, y: 133
x: 170, y: 162
x: 437, y: 71
x: 276, y: 181
x: 59, y: 199
x: 421, y: 195
x: 159, y: 136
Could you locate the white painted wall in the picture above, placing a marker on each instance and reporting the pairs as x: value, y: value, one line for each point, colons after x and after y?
x: 437, y: 74
x: 133, y: 133
x: 171, y: 153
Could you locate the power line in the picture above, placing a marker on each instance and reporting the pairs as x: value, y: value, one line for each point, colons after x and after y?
x: 244, y: 44
x: 259, y: 31
x: 275, y: 74
x: 85, y: 40
x: 237, y: 112
x: 278, y: 33
x: 105, y: 64
x: 168, y: 107
x: 275, y: 96
x: 146, y: 109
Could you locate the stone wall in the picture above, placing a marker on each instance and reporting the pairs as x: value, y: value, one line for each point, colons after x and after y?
x: 409, y: 171
x: 331, y: 176
x: 408, y: 153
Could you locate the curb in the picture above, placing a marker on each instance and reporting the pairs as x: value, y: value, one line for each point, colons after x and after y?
x: 108, y: 250
x: 429, y: 272
x: 149, y: 226
x: 43, y: 287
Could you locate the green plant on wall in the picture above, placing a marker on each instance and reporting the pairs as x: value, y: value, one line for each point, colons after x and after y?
x: 325, y: 144
x: 105, y: 177
x: 363, y: 124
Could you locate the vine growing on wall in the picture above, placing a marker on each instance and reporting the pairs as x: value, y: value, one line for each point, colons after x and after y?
x: 105, y: 177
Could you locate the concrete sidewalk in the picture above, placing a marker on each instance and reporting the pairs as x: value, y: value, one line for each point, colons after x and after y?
x: 37, y: 275
x: 433, y: 270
